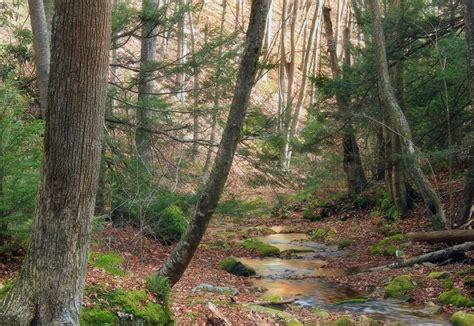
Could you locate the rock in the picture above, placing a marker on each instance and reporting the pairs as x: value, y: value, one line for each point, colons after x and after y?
x: 428, y: 264
x: 439, y: 275
x: 354, y: 300
x: 456, y: 298
x: 364, y: 320
x: 260, y: 246
x: 431, y: 308
x: 233, y: 266
x: 462, y: 318
x: 399, y: 287
x: 204, y: 287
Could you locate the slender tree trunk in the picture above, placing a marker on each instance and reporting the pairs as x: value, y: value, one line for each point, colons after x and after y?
x: 355, y: 175
x: 302, y: 91
x: 217, y: 95
x: 379, y: 166
x: 176, y: 264
x: 196, y: 91
x: 399, y: 122
x: 49, y: 13
x: 468, y: 193
x: 50, y: 286
x: 143, y: 139
x: 39, y: 26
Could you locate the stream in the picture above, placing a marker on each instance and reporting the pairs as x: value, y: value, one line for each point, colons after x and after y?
x: 299, y: 277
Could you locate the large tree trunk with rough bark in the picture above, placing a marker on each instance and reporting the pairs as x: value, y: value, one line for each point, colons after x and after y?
x: 400, y: 124
x: 174, y: 267
x: 39, y: 26
x: 143, y: 140
x: 50, y: 286
x: 468, y: 193
x: 355, y: 176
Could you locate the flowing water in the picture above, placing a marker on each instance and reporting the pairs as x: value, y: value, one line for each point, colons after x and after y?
x: 300, y: 278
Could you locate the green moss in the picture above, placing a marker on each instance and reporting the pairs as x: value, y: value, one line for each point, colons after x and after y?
x: 344, y: 321
x: 322, y: 233
x: 462, y: 318
x: 447, y: 283
x: 456, y: 298
x: 109, y: 262
x: 387, y: 244
x: 159, y: 285
x: 138, y: 304
x: 233, y: 266
x: 354, y: 300
x: 271, y: 297
x: 98, y: 316
x: 399, y: 287
x: 320, y: 312
x: 439, y: 275
x: 344, y: 243
x: 260, y: 246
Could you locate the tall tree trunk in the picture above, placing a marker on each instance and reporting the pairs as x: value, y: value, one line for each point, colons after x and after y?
x: 174, y: 267
x: 396, y: 179
x: 399, y: 123
x: 468, y: 193
x: 355, y: 175
x: 49, y: 12
x: 50, y: 286
x: 143, y: 139
x: 39, y: 26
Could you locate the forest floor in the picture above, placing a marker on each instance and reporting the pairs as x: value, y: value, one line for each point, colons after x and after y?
x: 363, y: 228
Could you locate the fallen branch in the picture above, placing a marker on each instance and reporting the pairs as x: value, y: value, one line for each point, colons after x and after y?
x: 432, y: 257
x: 217, y: 314
x: 450, y: 236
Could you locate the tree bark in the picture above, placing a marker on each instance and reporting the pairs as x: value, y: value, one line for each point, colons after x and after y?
x: 174, y: 267
x: 39, y: 26
x: 143, y: 139
x: 355, y: 176
x: 448, y: 236
x: 50, y: 286
x: 400, y: 124
x: 468, y: 193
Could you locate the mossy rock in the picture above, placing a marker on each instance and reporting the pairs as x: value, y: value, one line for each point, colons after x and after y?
x: 350, y: 301
x: 290, y: 320
x: 344, y: 244
x: 399, y: 287
x: 320, y: 312
x: 270, y: 297
x: 233, y: 266
x: 98, y: 316
x: 344, y: 321
x: 466, y: 271
x: 456, y: 298
x: 260, y: 246
x: 387, y: 244
x: 392, y: 251
x: 462, y: 318
x: 138, y: 304
x: 439, y: 275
